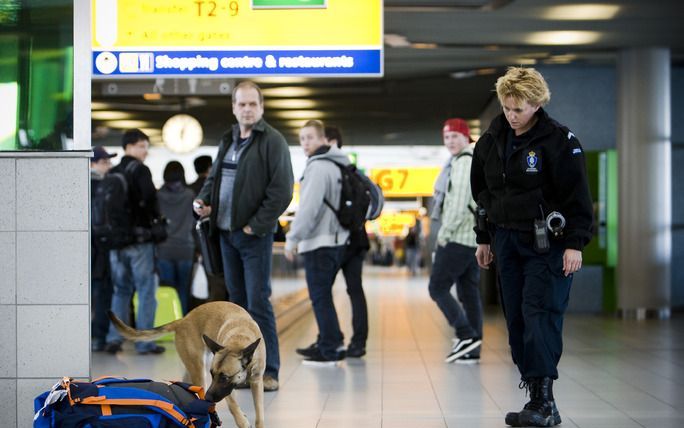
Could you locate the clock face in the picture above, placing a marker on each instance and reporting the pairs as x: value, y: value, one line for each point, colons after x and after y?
x: 182, y: 133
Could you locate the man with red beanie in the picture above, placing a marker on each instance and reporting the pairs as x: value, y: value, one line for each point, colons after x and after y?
x: 455, y: 261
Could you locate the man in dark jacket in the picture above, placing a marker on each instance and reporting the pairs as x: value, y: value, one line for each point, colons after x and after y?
x: 101, y: 283
x: 133, y: 265
x: 248, y: 188
x: 527, y: 171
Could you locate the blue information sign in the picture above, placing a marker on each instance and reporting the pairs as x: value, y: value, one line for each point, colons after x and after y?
x: 338, y: 62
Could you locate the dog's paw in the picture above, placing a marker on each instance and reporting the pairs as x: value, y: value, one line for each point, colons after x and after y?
x: 243, y: 422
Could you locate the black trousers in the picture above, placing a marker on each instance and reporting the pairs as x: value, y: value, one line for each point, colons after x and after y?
x: 534, y: 294
x: 101, y: 290
x: 352, y: 268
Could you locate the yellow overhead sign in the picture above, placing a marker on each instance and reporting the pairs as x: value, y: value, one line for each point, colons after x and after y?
x: 345, y: 36
x: 394, y: 223
x: 406, y: 182
x: 234, y: 23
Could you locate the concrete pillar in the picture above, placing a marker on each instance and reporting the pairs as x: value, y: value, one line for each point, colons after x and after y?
x: 44, y: 282
x: 644, y: 152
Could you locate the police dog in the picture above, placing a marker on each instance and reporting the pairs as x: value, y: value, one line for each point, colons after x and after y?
x: 232, y: 336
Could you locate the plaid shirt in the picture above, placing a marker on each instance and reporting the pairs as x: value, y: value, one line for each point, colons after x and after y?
x: 457, y: 220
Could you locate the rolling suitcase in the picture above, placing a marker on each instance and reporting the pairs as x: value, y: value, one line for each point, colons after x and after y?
x: 209, y: 248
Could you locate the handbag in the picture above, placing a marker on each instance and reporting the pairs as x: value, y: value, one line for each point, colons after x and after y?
x: 210, y: 248
x: 200, y: 284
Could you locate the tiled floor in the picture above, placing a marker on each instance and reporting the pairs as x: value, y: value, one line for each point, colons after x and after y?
x: 614, y: 373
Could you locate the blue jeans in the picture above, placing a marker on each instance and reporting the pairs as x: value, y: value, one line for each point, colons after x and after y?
x: 177, y: 274
x: 456, y: 263
x: 535, y: 294
x: 321, y: 266
x: 133, y: 270
x: 247, y: 271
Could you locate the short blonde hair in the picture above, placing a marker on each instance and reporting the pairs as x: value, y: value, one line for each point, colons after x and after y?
x: 317, y: 125
x: 523, y: 84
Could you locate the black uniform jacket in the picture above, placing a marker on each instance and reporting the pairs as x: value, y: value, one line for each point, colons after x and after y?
x: 548, y: 171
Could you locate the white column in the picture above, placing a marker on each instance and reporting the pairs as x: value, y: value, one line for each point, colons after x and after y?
x: 644, y: 168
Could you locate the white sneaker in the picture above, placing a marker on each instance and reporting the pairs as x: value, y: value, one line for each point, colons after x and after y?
x: 462, y: 347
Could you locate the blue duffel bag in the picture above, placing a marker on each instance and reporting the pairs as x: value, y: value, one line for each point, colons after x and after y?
x: 119, y: 402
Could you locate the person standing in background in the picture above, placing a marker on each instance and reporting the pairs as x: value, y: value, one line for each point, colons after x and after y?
x: 133, y: 265
x: 352, y: 268
x: 318, y: 236
x: 455, y: 254
x: 175, y: 255
x: 202, y: 165
x: 100, y: 270
x: 412, y: 248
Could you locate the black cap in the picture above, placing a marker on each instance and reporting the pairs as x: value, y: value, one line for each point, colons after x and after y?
x: 100, y: 153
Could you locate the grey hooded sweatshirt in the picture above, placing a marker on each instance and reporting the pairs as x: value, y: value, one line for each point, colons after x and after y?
x: 315, y: 225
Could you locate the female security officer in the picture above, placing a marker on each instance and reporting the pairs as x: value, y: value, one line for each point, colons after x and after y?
x: 528, y: 174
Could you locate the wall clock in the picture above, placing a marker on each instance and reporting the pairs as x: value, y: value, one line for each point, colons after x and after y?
x: 182, y: 133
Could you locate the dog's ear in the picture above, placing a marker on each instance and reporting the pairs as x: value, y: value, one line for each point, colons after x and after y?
x: 213, y: 346
x: 248, y: 352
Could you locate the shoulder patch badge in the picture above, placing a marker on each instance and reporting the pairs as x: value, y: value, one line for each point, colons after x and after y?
x: 576, y: 151
x: 571, y: 135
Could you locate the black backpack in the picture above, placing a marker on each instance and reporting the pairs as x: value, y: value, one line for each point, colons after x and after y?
x: 355, y: 198
x: 112, y: 222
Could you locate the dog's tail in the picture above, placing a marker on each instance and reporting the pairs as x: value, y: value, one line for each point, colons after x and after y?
x: 141, y: 335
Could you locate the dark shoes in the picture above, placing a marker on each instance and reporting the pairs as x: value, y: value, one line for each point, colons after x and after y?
x: 156, y: 349
x: 353, y: 351
x: 462, y: 347
x: 97, y: 346
x: 112, y: 347
x: 318, y: 359
x: 541, y: 410
x: 309, y: 351
x: 356, y: 351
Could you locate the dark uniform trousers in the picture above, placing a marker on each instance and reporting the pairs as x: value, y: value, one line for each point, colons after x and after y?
x: 534, y: 293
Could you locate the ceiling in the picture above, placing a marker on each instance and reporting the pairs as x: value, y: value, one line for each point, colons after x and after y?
x: 442, y: 58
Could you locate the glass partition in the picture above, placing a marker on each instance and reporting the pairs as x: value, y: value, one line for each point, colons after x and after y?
x: 36, y: 74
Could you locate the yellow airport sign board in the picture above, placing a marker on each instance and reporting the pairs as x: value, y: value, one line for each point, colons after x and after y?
x: 237, y: 37
x: 393, y: 223
x: 406, y: 182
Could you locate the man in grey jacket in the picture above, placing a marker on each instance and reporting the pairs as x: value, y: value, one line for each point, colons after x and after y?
x: 317, y: 235
x: 249, y: 187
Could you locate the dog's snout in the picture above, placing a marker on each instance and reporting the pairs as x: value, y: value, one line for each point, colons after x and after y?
x: 209, y: 396
x: 217, y: 394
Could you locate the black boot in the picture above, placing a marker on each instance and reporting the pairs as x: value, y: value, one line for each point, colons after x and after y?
x: 512, y: 418
x: 541, y: 410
